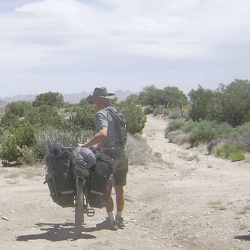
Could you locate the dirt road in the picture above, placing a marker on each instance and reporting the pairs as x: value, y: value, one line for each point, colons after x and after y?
x: 193, y: 201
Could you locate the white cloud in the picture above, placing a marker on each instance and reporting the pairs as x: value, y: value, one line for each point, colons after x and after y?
x: 161, y: 36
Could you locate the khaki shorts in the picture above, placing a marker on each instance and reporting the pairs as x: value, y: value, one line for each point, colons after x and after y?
x: 120, y: 156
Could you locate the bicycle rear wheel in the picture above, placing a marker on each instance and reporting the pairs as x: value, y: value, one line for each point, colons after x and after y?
x: 79, y: 217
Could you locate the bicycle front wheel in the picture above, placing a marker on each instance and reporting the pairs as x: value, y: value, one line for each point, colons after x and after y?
x: 79, y: 206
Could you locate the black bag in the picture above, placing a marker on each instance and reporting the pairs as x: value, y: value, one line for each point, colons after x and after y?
x: 60, y: 176
x: 100, y: 181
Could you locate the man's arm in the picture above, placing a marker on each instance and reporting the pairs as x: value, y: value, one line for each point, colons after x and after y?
x: 97, y: 138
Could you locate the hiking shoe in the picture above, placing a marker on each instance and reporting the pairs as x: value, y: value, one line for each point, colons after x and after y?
x: 107, y: 224
x: 120, y: 222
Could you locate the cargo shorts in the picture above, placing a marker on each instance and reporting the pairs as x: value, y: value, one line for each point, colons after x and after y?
x: 120, y: 168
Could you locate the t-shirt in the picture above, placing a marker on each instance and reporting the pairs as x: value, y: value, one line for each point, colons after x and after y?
x: 104, y: 119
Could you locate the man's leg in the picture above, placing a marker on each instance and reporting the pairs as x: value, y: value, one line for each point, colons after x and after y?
x: 120, y: 200
x: 110, y: 222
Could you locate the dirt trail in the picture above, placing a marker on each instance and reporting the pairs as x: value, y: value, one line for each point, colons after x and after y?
x: 193, y: 201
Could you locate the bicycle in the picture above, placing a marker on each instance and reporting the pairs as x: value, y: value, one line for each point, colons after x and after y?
x: 82, y: 182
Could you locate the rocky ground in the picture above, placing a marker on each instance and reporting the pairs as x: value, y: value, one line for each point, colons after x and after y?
x: 192, y: 201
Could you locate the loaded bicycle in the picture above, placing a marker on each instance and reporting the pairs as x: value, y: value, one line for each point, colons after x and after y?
x: 77, y: 177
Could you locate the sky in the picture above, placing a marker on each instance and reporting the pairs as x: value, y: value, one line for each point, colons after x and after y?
x: 71, y: 46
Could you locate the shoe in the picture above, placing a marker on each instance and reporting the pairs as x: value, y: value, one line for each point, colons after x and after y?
x: 120, y: 222
x: 107, y: 224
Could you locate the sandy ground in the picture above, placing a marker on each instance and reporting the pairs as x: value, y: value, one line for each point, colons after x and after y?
x: 193, y: 201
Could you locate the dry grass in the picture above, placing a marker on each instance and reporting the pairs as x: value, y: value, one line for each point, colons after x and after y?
x: 178, y: 138
x: 247, y: 157
x: 190, y: 157
x: 139, y: 152
x: 217, y: 205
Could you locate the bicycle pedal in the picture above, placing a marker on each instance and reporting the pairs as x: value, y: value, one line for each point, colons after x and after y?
x: 90, y: 212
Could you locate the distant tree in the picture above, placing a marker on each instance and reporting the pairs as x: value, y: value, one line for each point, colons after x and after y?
x: 203, y: 104
x: 9, y: 119
x: 168, y: 97
x: 133, y: 98
x: 236, y: 103
x: 19, y: 108
x: 151, y: 96
x: 53, y: 99
x: 15, y: 111
x: 230, y: 104
x: 173, y: 97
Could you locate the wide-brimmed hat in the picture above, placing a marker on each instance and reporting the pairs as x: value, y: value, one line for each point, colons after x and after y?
x: 101, y: 93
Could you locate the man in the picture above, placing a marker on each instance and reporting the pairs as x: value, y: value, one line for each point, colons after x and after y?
x: 106, y: 139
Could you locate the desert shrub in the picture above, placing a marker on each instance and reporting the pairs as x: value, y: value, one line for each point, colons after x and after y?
x: 25, y: 135
x: 160, y: 110
x: 179, y: 138
x: 136, y: 120
x: 45, y: 137
x: 212, y: 144
x: 28, y: 156
x: 157, y: 157
x: 138, y: 151
x: 228, y: 150
x: 15, y: 139
x: 9, y: 119
x: 241, y: 136
x: 10, y: 152
x: 204, y: 131
x: 175, y: 114
x: 174, y: 125
x: 237, y: 155
x: 148, y: 110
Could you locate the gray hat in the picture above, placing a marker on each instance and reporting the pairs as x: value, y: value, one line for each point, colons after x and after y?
x: 100, y: 92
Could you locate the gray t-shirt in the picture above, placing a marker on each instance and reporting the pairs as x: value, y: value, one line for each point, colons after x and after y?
x: 104, y: 119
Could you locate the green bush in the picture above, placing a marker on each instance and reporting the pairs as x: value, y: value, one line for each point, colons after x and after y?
x: 228, y: 150
x: 205, y: 131
x: 11, y: 152
x: 15, y: 140
x: 174, y: 125
x: 25, y: 135
x: 237, y: 156
x: 136, y: 120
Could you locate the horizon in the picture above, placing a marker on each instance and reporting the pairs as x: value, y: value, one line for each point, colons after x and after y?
x: 133, y: 92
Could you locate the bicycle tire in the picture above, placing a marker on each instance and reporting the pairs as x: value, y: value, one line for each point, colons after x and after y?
x: 79, y: 206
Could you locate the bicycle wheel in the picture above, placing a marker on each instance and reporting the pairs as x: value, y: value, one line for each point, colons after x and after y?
x: 79, y: 206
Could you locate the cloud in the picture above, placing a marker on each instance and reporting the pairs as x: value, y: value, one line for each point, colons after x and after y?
x: 138, y: 39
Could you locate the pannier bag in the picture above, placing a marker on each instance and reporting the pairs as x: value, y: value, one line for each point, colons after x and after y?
x: 60, y: 175
x: 83, y: 159
x: 100, y: 181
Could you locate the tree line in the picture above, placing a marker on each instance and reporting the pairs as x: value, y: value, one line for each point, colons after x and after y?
x: 27, y: 128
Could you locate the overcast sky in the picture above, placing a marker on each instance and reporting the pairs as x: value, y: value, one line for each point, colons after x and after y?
x: 71, y: 46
